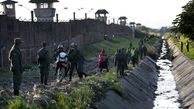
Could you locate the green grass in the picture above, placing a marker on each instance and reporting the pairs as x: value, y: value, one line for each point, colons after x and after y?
x: 189, y: 54
x: 20, y: 104
x: 5, y: 72
x: 109, y: 45
x: 80, y: 97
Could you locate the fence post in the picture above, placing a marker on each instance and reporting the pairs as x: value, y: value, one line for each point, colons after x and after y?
x: 57, y: 18
x: 32, y: 16
x: 73, y: 15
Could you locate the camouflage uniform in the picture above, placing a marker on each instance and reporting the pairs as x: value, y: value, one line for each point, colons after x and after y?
x: 120, y: 63
x: 44, y: 62
x: 15, y: 57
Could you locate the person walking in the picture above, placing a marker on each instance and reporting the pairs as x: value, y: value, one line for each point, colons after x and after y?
x: 44, y: 63
x: 103, y: 61
x: 120, y: 62
x: 187, y: 45
x: 128, y: 55
x: 181, y: 43
x: 144, y: 50
x: 73, y: 57
x: 15, y: 56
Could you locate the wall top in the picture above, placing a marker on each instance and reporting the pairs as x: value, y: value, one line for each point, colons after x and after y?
x: 43, y: 1
x: 9, y: 2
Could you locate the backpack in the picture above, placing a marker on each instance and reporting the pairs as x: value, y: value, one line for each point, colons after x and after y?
x: 62, y: 57
x: 103, y: 58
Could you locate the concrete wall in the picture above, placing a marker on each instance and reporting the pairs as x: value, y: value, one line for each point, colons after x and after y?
x: 33, y: 33
x: 139, y: 89
x: 183, y: 70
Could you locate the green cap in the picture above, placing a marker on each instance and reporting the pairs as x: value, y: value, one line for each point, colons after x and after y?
x: 18, y: 40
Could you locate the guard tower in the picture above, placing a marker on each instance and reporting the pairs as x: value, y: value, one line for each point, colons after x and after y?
x: 9, y: 8
x: 123, y: 20
x: 132, y: 25
x: 138, y: 25
x: 101, y: 15
x: 44, y: 10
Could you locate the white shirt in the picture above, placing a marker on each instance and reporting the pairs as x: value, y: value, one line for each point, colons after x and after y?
x: 62, y: 57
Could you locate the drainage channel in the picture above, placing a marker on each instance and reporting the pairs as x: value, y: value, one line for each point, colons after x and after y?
x: 166, y: 94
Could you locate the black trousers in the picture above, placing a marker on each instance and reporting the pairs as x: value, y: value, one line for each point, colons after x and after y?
x: 72, y: 67
x: 44, y: 72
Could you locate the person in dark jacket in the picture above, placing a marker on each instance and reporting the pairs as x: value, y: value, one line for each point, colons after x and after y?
x: 181, y: 43
x: 76, y: 61
x: 120, y: 62
x: 15, y: 57
x: 144, y: 50
x: 44, y: 63
x: 125, y: 56
x: 187, y: 45
x: 129, y: 55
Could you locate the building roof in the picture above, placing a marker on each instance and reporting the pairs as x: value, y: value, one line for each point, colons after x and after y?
x: 122, y: 18
x: 132, y: 23
x: 8, y: 2
x: 43, y: 1
x: 138, y: 24
x: 101, y: 11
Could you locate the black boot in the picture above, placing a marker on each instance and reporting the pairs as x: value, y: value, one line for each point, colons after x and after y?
x: 16, y: 92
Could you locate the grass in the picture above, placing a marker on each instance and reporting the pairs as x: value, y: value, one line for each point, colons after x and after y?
x: 81, y: 97
x: 5, y: 72
x: 110, y: 46
x: 189, y: 54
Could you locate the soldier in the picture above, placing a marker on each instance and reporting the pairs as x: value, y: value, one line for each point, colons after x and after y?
x: 181, y: 43
x: 129, y: 55
x: 130, y: 45
x: 44, y: 63
x: 187, y: 45
x: 135, y: 56
x: 125, y: 56
x: 15, y: 57
x: 120, y: 62
x: 144, y: 50
x: 73, y: 57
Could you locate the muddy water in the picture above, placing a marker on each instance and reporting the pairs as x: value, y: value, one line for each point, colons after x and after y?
x: 166, y: 95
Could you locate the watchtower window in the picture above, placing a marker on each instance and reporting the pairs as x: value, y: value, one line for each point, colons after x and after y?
x: 44, y: 5
x: 9, y: 6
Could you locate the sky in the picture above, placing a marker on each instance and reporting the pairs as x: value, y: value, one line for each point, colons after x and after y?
x: 151, y: 13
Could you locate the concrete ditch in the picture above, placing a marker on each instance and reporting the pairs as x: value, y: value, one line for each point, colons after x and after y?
x: 183, y: 71
x: 139, y: 86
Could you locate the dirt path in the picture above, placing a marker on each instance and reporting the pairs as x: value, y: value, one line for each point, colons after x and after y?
x: 28, y: 83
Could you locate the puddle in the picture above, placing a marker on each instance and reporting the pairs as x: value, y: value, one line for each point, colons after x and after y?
x: 166, y: 95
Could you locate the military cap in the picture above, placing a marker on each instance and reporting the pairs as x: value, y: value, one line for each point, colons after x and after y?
x: 44, y: 44
x: 18, y: 40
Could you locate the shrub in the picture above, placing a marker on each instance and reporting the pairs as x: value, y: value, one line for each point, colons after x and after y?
x: 20, y: 104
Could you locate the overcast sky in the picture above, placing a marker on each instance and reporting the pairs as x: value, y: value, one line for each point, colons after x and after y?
x: 151, y: 13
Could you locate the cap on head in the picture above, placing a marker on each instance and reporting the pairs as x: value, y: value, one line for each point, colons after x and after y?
x: 44, y: 44
x: 60, y: 46
x: 73, y: 45
x: 18, y: 41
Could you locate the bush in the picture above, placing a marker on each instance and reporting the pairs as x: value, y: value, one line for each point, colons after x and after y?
x: 80, y: 98
x: 19, y: 104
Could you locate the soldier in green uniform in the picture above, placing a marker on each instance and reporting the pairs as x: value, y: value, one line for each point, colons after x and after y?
x: 187, y: 45
x: 15, y: 57
x: 44, y: 63
x: 181, y: 43
x: 120, y: 62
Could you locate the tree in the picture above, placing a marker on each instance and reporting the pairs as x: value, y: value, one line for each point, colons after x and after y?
x: 184, y: 23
